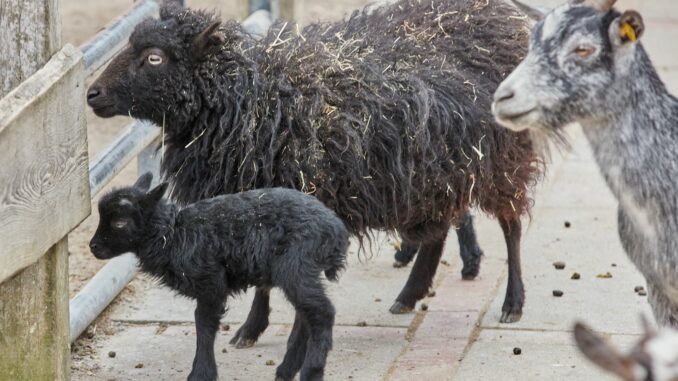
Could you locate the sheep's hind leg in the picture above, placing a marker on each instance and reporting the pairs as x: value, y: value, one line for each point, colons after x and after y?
x: 296, y: 351
x: 512, y: 310
x: 469, y: 250
x: 405, y: 254
x: 421, y: 277
x: 207, y: 316
x: 256, y: 322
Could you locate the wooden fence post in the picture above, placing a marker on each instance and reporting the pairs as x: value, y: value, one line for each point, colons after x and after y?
x: 34, y: 302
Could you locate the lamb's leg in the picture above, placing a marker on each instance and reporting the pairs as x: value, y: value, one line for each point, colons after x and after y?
x: 512, y: 309
x: 207, y: 316
x: 256, y: 322
x: 421, y: 276
x: 296, y: 351
x: 317, y: 312
x: 469, y: 250
x: 664, y: 309
x: 404, y: 255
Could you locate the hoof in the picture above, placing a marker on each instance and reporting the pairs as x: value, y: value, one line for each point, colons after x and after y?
x: 472, y: 267
x: 240, y: 342
x: 469, y: 276
x: 397, y: 264
x: 399, y: 308
x: 510, y: 317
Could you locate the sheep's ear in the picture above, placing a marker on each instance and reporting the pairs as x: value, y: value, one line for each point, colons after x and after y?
x: 627, y: 29
x: 602, y: 354
x: 208, y: 38
x: 154, y: 195
x: 144, y: 181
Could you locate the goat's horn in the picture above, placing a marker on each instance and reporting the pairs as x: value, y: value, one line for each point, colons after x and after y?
x: 601, y: 5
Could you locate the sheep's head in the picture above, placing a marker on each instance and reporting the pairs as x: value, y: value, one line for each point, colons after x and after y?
x: 654, y: 357
x: 123, y: 218
x: 576, y: 54
x: 152, y: 77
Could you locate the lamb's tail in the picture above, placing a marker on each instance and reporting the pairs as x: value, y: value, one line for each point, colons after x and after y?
x: 336, y: 260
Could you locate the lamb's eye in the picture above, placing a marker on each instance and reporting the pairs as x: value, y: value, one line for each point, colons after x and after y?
x: 154, y: 59
x: 584, y: 51
x: 119, y: 224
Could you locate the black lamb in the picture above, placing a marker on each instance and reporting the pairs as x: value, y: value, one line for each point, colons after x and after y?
x: 384, y: 117
x: 218, y: 247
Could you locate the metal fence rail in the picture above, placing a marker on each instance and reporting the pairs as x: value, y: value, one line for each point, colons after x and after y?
x: 140, y: 140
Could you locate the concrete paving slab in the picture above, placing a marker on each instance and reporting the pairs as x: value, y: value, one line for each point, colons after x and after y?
x: 545, y: 356
x: 359, y: 353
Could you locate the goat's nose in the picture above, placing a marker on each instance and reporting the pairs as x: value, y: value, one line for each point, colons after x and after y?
x: 93, y: 246
x: 93, y: 93
x: 503, y: 94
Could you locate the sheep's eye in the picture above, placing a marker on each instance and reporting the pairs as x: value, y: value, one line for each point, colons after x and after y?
x: 584, y: 51
x: 119, y: 224
x: 154, y: 59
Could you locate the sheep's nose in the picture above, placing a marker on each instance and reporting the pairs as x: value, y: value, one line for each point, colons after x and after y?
x: 503, y: 94
x: 93, y: 246
x: 93, y: 93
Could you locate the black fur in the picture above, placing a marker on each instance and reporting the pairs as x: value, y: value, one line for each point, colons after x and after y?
x: 384, y: 117
x: 218, y: 247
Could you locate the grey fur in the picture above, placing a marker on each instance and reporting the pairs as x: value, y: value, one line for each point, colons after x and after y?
x: 629, y: 118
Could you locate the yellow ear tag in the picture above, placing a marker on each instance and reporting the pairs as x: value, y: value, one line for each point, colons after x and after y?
x: 627, y: 31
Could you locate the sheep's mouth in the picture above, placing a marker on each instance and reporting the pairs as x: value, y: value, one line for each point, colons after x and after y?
x: 105, y: 111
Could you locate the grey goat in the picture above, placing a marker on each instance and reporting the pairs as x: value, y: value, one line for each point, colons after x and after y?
x: 585, y: 65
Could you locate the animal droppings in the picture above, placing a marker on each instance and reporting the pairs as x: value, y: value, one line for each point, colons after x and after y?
x: 557, y: 293
x: 567, y: 224
x: 607, y: 275
x: 517, y: 351
x: 559, y: 265
x: 575, y: 276
x: 111, y: 354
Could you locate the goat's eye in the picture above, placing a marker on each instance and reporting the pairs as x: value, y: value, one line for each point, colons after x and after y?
x: 584, y: 51
x: 119, y: 224
x: 154, y: 59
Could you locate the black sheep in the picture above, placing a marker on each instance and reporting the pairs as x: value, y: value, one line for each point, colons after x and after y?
x: 219, y: 247
x: 384, y: 117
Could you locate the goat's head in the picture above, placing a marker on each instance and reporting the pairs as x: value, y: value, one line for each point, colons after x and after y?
x: 123, y: 218
x: 576, y: 53
x: 653, y: 358
x: 152, y: 77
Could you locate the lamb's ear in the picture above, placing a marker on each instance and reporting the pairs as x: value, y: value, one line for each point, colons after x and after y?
x: 596, y: 349
x: 154, y: 195
x: 169, y: 9
x: 627, y: 29
x: 143, y: 183
x: 208, y: 38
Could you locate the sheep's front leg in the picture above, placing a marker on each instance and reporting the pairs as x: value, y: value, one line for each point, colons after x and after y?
x: 421, y: 277
x: 256, y: 322
x: 207, y: 316
x: 512, y: 310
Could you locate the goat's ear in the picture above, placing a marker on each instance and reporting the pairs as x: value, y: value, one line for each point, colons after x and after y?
x: 208, y: 38
x: 628, y: 28
x: 596, y: 349
x: 143, y: 183
x: 154, y: 195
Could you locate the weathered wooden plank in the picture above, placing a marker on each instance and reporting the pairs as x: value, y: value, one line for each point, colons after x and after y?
x: 44, y: 193
x: 30, y: 32
x: 34, y: 320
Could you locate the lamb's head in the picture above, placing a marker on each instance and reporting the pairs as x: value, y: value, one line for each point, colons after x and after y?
x: 576, y: 54
x: 152, y: 78
x: 653, y: 358
x: 124, y: 216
